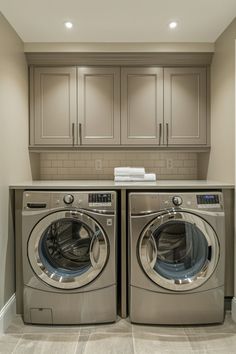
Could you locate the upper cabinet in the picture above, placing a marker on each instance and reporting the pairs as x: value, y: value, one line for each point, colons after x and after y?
x: 185, y: 118
x: 141, y: 106
x: 53, y: 106
x: 99, y: 105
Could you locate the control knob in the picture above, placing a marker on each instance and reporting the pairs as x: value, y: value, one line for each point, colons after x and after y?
x: 177, y: 200
x: 68, y: 199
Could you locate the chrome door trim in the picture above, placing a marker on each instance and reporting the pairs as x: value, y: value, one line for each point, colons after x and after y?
x: 181, y: 284
x: 52, y: 278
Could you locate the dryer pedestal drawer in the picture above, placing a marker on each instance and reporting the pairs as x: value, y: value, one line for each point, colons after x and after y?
x: 171, y: 309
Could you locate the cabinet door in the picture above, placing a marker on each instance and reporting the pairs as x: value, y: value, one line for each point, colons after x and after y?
x: 185, y: 106
x: 54, y: 99
x: 142, y: 105
x: 99, y: 105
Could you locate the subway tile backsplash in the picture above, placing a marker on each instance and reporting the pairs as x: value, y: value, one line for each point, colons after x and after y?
x: 100, y: 165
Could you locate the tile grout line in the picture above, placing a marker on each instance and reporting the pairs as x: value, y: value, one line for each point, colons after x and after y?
x: 84, y: 349
x: 13, y: 352
x: 132, y: 332
x: 77, y: 341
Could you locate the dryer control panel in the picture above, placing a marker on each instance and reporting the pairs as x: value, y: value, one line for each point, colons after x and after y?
x: 208, y: 201
x: 99, y: 199
x: 146, y: 203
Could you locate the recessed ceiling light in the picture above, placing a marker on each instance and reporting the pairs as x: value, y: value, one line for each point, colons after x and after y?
x: 173, y: 24
x: 68, y: 24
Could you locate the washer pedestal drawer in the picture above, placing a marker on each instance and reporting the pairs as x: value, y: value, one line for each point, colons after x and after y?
x: 98, y: 306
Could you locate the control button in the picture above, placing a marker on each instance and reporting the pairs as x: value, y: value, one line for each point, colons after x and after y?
x: 68, y: 199
x: 177, y: 200
x: 109, y: 222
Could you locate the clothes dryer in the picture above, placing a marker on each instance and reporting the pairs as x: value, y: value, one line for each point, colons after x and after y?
x: 176, y: 257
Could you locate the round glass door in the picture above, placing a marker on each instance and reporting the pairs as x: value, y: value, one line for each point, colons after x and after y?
x: 67, y: 249
x: 178, y: 251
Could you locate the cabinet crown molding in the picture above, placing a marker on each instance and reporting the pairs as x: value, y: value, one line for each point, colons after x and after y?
x: 120, y: 59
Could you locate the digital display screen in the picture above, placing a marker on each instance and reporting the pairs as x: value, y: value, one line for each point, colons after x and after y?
x: 208, y: 199
x: 102, y: 198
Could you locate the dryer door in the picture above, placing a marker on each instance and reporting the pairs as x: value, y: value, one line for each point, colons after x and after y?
x: 178, y: 250
x: 67, y: 249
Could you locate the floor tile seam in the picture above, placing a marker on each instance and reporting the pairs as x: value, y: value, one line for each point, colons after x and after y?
x: 133, y: 341
x: 66, y: 334
x: 188, y: 338
x: 17, y: 344
x: 161, y: 335
x: 206, y: 334
x: 44, y: 343
x: 20, y: 336
x: 77, y: 342
x: 85, y: 346
x: 111, y: 332
x: 132, y: 333
x: 14, y: 333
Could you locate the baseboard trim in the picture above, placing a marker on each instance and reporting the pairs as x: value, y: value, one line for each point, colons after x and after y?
x: 7, y: 313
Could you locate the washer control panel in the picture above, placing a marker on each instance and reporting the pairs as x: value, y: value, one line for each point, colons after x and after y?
x: 99, y: 199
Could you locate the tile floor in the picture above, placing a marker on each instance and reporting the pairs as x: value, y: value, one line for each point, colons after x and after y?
x: 119, y: 338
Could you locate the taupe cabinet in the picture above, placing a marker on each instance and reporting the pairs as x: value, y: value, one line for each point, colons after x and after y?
x: 99, y: 105
x: 163, y: 106
x: 142, y: 106
x: 185, y: 119
x: 53, y: 106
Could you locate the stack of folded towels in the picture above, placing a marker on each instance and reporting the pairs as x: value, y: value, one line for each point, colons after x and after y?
x: 133, y: 174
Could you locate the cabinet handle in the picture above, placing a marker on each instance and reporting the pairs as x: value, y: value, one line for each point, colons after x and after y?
x: 167, y: 134
x: 160, y: 133
x: 73, y: 134
x: 80, y: 133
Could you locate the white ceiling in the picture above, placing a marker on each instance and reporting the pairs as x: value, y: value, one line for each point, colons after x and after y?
x: 119, y: 20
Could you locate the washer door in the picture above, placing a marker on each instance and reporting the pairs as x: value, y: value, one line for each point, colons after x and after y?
x: 67, y: 249
x: 178, y: 251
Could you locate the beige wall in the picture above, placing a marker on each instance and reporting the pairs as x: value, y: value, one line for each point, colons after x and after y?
x: 14, y: 157
x: 221, y: 158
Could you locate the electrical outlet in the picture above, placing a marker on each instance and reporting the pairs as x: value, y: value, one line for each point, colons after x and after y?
x: 98, y: 165
x: 169, y: 163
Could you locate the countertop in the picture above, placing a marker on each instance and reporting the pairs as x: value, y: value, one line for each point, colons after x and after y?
x: 109, y: 184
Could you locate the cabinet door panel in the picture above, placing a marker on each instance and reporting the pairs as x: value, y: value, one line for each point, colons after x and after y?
x: 142, y: 105
x: 55, y: 105
x: 99, y: 105
x: 185, y: 105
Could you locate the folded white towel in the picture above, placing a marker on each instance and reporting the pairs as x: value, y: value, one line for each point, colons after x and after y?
x: 129, y: 171
x: 148, y: 177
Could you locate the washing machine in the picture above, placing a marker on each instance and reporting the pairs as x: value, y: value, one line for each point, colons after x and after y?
x: 69, y: 257
x: 176, y: 257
